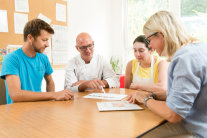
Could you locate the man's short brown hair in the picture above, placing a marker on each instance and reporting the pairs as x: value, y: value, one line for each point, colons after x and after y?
x: 34, y: 28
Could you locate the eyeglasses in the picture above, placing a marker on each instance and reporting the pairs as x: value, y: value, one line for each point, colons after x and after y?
x: 148, y: 41
x: 83, y: 48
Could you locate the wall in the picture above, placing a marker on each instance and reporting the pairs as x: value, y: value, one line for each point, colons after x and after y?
x: 59, y: 80
x: 102, y: 19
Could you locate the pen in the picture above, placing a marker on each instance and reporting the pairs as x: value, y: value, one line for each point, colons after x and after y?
x: 103, y: 90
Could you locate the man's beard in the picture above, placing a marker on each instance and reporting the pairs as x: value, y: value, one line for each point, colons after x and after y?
x: 35, y: 48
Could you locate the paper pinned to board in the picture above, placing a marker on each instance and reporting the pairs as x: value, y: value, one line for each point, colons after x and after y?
x: 60, y: 12
x: 107, y: 96
x: 20, y: 20
x: 21, y: 6
x: 3, y: 21
x: 60, y: 39
x: 117, y: 106
x: 44, y: 18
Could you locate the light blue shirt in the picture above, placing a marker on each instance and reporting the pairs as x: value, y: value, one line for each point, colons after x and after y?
x: 187, y: 87
x: 30, y: 70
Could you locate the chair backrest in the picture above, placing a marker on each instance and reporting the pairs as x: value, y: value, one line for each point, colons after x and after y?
x: 2, y: 92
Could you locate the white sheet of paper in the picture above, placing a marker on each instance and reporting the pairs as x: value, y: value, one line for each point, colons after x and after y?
x: 107, y: 96
x: 44, y: 18
x: 59, y: 58
x: 60, y: 39
x: 3, y: 21
x: 60, y: 46
x: 21, y: 6
x: 60, y: 12
x: 117, y: 106
x: 20, y: 20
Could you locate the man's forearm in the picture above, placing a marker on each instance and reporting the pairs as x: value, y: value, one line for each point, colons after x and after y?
x: 29, y: 96
x: 82, y: 87
x: 50, y: 86
x: 166, y: 112
x: 160, y: 96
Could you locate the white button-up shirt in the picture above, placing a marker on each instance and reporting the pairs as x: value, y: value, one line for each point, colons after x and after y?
x: 77, y: 70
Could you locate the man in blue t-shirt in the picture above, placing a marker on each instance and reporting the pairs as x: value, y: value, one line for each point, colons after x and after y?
x: 25, y: 68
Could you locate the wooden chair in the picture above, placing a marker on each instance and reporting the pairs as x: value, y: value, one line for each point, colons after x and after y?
x: 2, y: 92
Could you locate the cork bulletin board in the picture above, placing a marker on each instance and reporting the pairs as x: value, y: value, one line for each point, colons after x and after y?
x: 45, y: 7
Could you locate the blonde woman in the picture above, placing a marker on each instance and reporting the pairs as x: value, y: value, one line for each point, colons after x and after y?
x: 146, y: 72
x: 185, y: 105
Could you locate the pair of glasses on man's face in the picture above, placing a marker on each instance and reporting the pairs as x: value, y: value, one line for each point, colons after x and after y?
x: 90, y: 46
x: 147, y: 38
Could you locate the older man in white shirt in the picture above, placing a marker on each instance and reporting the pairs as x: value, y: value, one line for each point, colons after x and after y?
x: 87, y: 70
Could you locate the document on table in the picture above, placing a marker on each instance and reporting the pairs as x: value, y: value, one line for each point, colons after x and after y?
x: 117, y: 106
x: 106, y: 96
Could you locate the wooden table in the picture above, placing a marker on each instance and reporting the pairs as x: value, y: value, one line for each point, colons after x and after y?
x: 76, y: 118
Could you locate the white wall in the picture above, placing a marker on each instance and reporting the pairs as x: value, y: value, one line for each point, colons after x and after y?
x: 58, y: 78
x: 117, y: 27
x: 100, y: 18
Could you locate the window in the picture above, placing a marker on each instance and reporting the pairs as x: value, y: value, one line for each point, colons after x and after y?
x: 138, y: 13
x: 194, y: 16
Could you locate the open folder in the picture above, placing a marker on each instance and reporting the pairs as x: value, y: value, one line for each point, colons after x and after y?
x: 117, y: 106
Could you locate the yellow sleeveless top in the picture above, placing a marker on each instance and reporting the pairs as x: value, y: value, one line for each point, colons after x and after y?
x: 146, y: 72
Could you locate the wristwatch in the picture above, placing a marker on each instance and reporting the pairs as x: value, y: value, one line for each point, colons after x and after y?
x: 146, y: 99
x: 152, y: 94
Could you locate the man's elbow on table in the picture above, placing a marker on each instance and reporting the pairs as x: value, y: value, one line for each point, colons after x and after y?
x: 15, y: 95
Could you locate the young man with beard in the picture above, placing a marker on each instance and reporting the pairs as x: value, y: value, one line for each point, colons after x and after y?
x: 25, y: 68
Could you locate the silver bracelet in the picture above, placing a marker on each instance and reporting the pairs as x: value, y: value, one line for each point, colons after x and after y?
x: 146, y: 99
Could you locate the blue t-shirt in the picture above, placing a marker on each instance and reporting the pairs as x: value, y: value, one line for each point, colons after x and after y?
x: 187, y: 87
x: 30, y: 70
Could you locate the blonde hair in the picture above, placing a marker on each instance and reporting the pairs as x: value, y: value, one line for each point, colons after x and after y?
x: 175, y: 34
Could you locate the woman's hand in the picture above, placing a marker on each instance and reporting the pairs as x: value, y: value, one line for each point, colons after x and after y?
x: 137, y: 97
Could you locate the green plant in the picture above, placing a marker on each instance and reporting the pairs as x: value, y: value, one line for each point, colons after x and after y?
x: 116, y: 64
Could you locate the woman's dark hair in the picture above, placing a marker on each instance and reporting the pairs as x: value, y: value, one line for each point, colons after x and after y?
x: 141, y: 38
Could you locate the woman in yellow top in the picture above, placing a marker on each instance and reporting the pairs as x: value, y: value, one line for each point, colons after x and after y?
x: 146, y: 72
